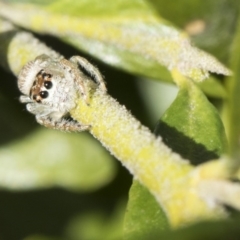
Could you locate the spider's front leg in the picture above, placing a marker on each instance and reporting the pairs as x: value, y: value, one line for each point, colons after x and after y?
x: 25, y: 99
x: 91, y: 70
x: 73, y: 74
x: 61, y: 124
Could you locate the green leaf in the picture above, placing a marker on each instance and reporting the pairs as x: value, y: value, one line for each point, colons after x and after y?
x: 125, y: 34
x: 211, y: 24
x: 191, y: 126
x: 50, y: 158
x: 144, y: 218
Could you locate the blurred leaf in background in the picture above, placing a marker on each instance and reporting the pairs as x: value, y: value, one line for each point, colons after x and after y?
x: 50, y: 158
x: 97, y: 225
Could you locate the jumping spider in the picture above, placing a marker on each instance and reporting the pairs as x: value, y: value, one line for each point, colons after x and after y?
x: 52, y: 86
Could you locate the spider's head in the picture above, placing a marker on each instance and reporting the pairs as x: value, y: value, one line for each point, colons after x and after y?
x: 35, y: 79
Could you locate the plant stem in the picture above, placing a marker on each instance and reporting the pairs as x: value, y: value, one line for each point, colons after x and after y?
x: 164, y: 173
x: 19, y: 47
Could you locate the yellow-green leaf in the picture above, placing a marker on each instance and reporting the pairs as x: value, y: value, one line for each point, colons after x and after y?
x: 191, y: 126
x: 144, y: 217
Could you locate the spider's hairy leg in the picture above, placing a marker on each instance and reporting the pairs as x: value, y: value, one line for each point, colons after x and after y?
x: 93, y: 71
x: 61, y: 124
x: 80, y: 84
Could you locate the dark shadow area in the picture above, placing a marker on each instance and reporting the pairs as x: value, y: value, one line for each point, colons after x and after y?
x: 183, y: 145
x: 15, y: 121
x: 48, y: 212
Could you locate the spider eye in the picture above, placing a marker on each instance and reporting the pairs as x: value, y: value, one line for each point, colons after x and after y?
x: 48, y: 84
x: 43, y: 94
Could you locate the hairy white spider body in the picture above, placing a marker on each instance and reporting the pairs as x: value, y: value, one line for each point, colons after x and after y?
x: 51, y: 88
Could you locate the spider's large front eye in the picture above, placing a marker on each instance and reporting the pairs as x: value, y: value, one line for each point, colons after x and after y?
x: 43, y: 94
x: 48, y: 84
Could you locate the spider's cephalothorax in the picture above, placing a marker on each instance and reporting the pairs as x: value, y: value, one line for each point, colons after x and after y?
x: 52, y: 86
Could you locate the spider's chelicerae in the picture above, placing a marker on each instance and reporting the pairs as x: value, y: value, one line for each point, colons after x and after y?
x: 51, y: 88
